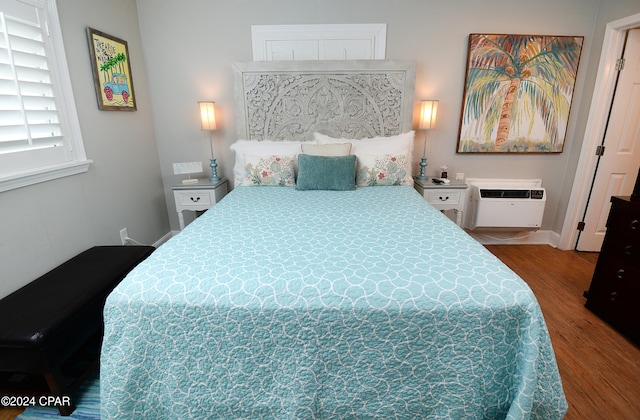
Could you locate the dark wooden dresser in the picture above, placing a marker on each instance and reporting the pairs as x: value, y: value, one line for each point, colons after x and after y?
x: 614, y: 294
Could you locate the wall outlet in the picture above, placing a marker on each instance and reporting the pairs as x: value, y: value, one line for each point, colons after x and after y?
x: 124, y: 235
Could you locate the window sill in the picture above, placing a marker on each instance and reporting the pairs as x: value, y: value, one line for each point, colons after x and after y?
x: 34, y: 176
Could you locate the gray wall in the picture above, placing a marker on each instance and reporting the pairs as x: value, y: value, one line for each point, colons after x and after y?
x: 189, y: 47
x: 47, y: 223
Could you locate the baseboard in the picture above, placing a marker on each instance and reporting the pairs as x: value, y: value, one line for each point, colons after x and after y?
x: 164, y: 239
x: 538, y: 237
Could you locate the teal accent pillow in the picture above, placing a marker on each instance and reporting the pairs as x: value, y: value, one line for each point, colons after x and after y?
x: 337, y: 173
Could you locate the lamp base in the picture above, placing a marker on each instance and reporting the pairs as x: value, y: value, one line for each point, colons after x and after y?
x: 423, y: 166
x: 214, y: 172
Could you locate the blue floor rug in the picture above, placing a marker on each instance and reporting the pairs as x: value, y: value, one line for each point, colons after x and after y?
x: 87, y: 401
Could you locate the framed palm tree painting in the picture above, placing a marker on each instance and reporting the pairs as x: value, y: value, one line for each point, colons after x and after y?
x: 111, y: 72
x: 518, y: 92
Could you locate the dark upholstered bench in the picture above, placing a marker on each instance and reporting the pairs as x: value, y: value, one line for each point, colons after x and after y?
x: 46, y: 322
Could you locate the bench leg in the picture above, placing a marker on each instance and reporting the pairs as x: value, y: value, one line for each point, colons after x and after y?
x: 58, y: 388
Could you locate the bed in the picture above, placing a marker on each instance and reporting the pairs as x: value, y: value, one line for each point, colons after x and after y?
x: 353, y: 301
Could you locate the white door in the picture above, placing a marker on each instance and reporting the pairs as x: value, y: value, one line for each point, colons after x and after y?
x: 618, y: 167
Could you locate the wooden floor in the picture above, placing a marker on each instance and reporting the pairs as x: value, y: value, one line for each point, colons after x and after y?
x: 600, y: 369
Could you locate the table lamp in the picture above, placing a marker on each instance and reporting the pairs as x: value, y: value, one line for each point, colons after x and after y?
x: 428, y: 111
x: 208, y: 120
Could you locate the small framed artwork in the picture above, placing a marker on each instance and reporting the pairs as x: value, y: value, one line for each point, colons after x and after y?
x: 518, y: 92
x: 111, y: 72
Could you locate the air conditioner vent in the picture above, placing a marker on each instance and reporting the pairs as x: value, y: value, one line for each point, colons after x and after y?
x: 501, y: 193
x: 505, y: 204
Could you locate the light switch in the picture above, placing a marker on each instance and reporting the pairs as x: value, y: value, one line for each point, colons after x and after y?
x: 187, y: 168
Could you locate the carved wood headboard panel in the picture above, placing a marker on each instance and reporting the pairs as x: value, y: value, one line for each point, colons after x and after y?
x: 290, y: 100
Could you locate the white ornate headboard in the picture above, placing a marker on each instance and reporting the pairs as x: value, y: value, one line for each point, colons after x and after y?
x: 290, y: 100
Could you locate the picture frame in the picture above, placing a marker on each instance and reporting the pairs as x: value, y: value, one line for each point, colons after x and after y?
x: 112, y: 76
x: 518, y: 92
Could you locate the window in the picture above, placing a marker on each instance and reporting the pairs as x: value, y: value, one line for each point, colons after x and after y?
x: 40, y: 135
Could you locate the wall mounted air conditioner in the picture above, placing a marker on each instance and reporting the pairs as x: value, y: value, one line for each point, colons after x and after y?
x: 498, y: 204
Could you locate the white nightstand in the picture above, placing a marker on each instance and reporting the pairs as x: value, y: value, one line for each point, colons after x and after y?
x: 452, y: 196
x: 198, y: 197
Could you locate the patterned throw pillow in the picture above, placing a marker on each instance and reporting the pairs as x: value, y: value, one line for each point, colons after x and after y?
x: 269, y: 170
x: 382, y: 170
x: 262, y: 148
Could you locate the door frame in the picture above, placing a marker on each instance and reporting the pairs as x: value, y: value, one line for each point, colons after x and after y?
x: 612, y: 47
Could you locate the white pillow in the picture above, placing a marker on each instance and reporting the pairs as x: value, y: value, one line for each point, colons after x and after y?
x: 401, y: 144
x: 260, y: 148
x: 333, y: 149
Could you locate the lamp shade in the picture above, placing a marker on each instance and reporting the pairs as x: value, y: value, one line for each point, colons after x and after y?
x: 207, y: 115
x: 428, y: 113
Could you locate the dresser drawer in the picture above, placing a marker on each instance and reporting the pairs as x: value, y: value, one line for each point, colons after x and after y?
x: 621, y: 246
x: 614, y: 293
x: 452, y: 197
x: 623, y: 235
x: 613, y: 274
x: 615, y: 290
x: 618, y: 306
x: 624, y: 220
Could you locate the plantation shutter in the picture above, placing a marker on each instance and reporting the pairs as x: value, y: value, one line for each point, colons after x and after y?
x: 29, y: 119
x: 40, y: 136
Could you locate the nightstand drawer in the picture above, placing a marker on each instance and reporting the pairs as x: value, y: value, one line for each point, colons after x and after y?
x: 199, y: 196
x: 445, y: 197
x: 191, y: 198
x: 451, y: 197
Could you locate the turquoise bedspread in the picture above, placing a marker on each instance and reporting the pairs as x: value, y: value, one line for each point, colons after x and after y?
x: 288, y: 304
